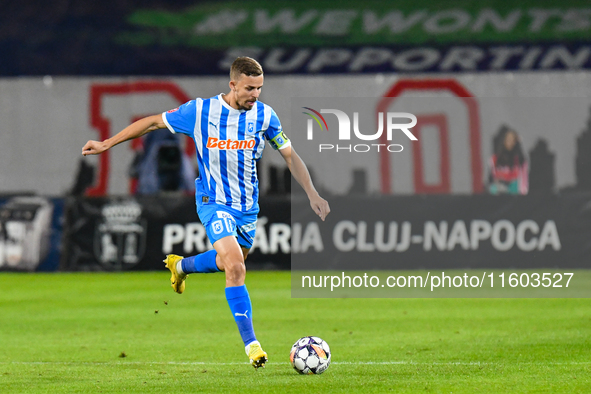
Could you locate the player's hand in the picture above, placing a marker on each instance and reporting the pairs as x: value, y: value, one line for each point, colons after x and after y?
x: 320, y: 206
x: 93, y: 148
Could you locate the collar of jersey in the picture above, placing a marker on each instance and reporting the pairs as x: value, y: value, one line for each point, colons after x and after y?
x: 228, y: 106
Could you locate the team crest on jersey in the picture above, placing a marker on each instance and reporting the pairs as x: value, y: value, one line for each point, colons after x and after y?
x: 218, y: 227
x: 250, y: 127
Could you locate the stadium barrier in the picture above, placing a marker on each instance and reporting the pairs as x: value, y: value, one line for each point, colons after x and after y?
x: 31, y: 229
x: 362, y: 232
x: 135, y: 233
x: 437, y: 231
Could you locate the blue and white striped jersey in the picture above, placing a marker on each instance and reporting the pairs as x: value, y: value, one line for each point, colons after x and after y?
x: 229, y: 143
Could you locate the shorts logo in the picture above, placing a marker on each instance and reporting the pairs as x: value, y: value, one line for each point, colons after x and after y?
x: 249, y: 227
x: 250, y: 127
x: 218, y: 227
x: 223, y: 215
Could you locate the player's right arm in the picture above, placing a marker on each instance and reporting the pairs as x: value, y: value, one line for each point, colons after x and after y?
x: 134, y: 130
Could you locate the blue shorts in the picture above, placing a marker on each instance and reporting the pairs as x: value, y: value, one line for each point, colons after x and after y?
x: 221, y: 221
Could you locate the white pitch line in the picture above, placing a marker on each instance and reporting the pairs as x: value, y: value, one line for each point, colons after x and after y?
x: 476, y: 363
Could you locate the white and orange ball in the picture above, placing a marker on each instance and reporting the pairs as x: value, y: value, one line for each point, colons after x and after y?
x: 310, y: 355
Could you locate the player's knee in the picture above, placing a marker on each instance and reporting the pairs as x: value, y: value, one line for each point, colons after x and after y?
x: 235, y: 273
x: 237, y: 268
x: 233, y: 264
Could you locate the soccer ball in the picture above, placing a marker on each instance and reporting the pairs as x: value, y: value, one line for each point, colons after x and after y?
x: 310, y: 356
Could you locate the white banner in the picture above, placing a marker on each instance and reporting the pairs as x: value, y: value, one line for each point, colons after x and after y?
x: 46, y: 121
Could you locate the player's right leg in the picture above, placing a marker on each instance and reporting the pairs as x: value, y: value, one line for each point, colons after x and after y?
x: 180, y: 267
x: 177, y: 277
x: 221, y: 225
x: 217, y: 225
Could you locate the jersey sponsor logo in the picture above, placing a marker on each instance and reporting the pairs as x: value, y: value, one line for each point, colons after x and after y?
x: 216, y: 143
x: 172, y: 110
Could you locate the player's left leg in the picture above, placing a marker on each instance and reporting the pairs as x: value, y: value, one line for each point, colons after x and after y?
x: 232, y: 234
x: 232, y: 262
x: 245, y: 234
x: 254, y: 351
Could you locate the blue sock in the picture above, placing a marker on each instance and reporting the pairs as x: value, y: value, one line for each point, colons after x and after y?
x: 202, y: 263
x: 241, y: 308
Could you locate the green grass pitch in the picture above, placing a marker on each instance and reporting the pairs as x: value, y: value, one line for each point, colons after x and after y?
x: 130, y: 333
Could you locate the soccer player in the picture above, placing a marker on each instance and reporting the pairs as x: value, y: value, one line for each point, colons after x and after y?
x: 229, y: 131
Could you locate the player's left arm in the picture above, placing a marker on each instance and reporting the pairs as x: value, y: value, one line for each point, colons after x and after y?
x: 279, y: 141
x: 301, y: 174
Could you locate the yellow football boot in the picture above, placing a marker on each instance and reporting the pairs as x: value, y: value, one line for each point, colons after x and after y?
x: 257, y: 356
x: 177, y: 281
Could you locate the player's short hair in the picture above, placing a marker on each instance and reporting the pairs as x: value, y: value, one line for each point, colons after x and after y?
x: 245, y: 65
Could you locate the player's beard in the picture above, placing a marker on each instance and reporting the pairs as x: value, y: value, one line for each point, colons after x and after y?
x: 244, y: 105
